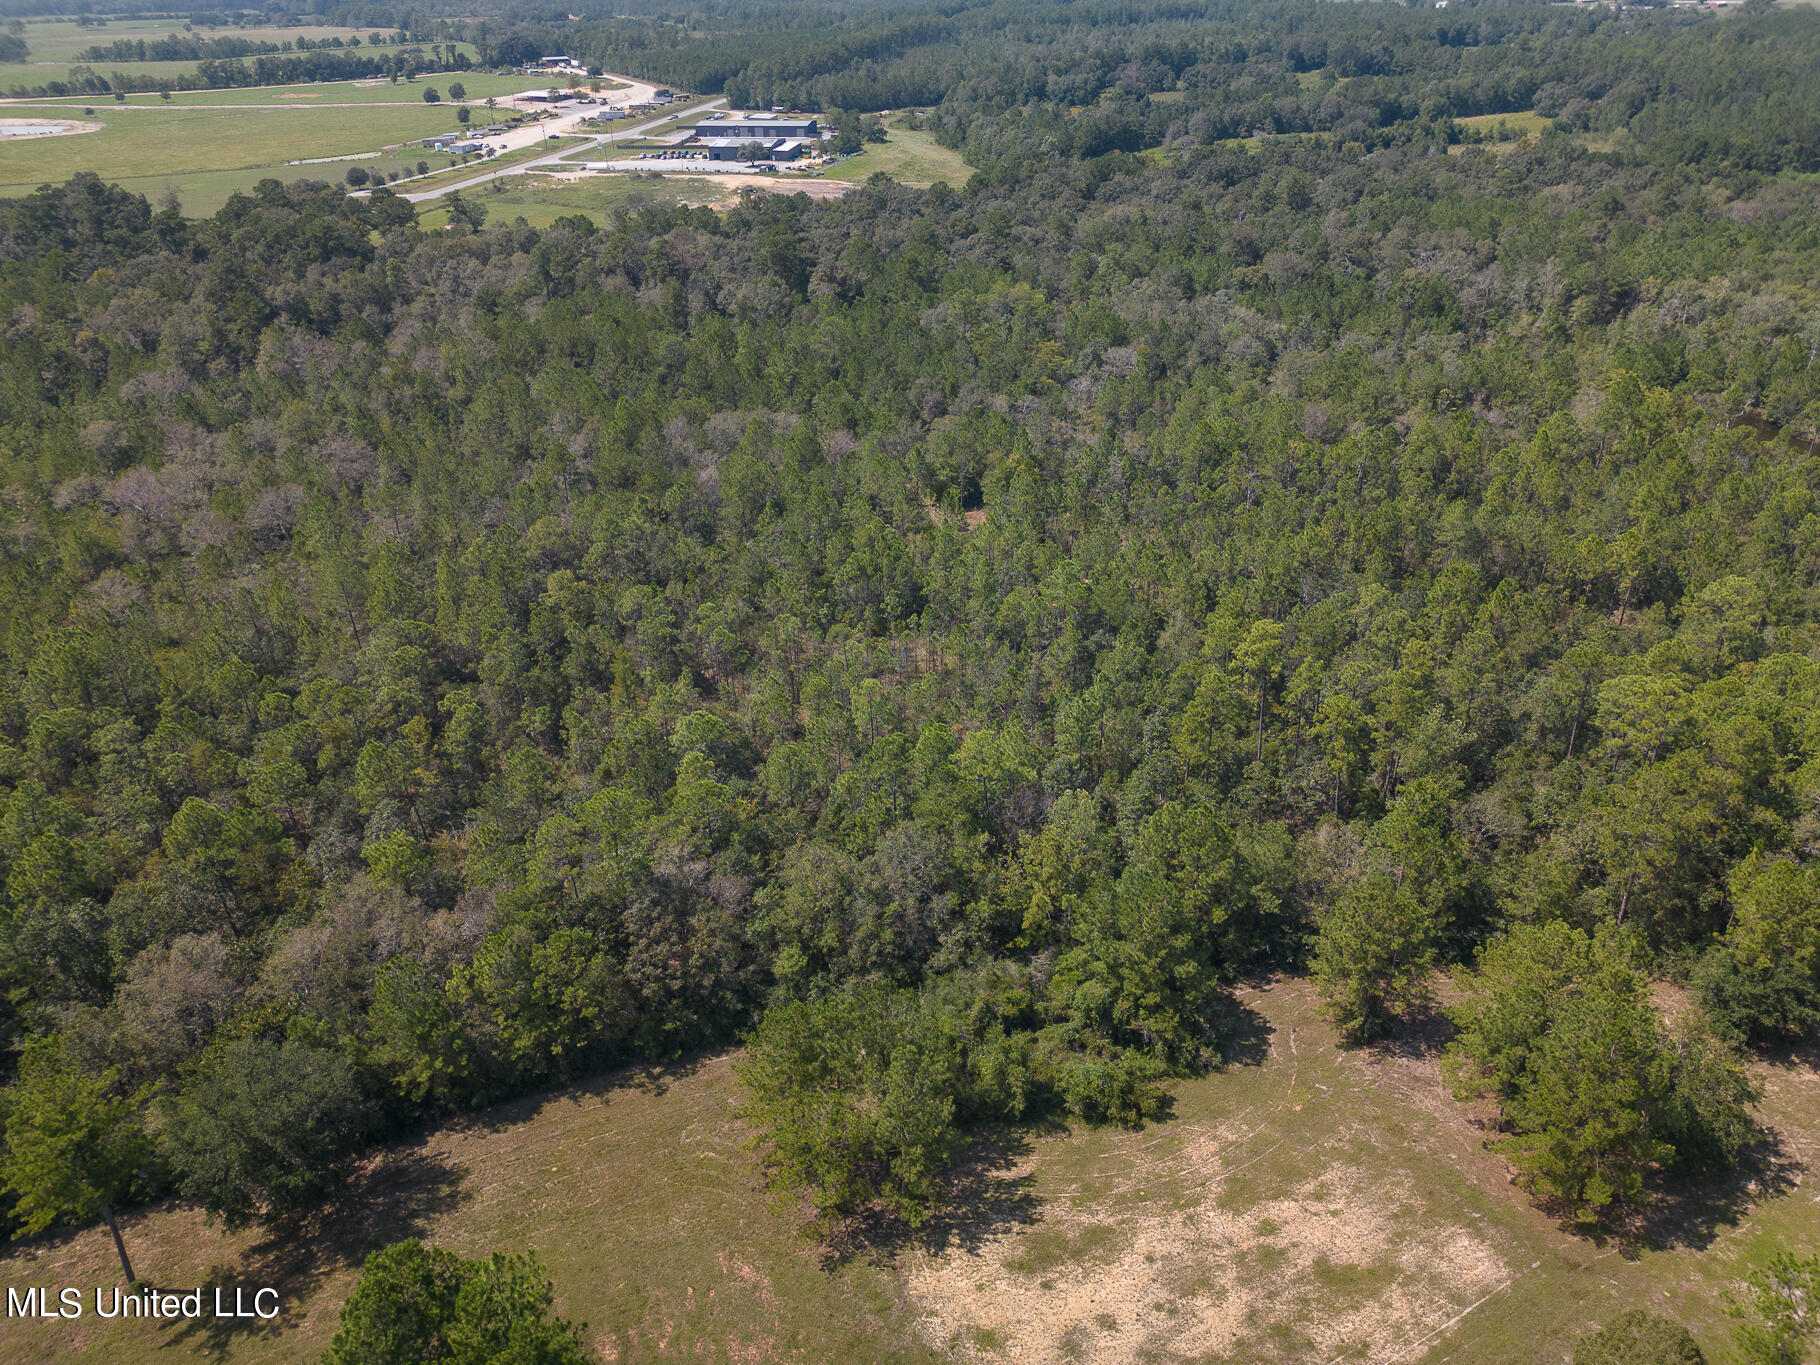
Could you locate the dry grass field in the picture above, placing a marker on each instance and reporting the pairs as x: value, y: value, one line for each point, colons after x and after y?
x: 1303, y: 1205
x: 1322, y: 1206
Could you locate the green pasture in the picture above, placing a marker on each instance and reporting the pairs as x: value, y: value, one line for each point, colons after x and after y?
x: 1527, y: 124
x: 540, y: 200
x: 202, y: 193
x: 909, y: 157
x: 479, y: 89
x: 31, y: 75
x: 59, y: 40
x: 54, y: 43
x: 179, y: 144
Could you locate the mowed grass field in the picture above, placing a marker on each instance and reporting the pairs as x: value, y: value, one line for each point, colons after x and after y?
x: 31, y: 75
x: 196, y: 150
x: 60, y: 40
x: 1305, y: 1205
x: 54, y: 44
x: 201, y: 194
x: 479, y: 86
x: 1528, y: 124
x: 541, y: 199
x: 909, y: 157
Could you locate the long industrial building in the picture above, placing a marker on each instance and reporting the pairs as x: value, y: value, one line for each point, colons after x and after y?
x: 763, y: 126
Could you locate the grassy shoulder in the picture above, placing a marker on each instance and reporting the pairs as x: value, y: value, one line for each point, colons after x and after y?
x: 455, y: 174
x: 666, y: 126
x: 1303, y: 1203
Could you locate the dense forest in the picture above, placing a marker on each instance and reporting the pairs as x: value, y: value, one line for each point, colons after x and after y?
x: 946, y: 637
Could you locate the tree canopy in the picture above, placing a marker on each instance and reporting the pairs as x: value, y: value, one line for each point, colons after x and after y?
x: 1260, y: 522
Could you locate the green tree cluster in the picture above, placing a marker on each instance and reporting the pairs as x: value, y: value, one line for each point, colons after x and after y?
x: 422, y: 1305
x: 1593, y: 1091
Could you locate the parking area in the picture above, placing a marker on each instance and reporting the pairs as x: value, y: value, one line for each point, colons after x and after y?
x: 678, y: 162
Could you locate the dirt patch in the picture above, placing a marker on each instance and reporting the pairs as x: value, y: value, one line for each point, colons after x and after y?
x: 1340, y: 1264
x: 815, y: 189
x: 23, y: 129
x: 314, y: 95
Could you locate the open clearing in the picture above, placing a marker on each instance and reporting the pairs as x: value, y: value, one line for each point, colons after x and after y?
x: 1526, y: 124
x: 327, y: 94
x: 1502, y: 132
x: 541, y: 199
x: 54, y: 44
x: 1330, y: 1206
x: 204, y: 146
x: 908, y: 156
x: 141, y: 148
x: 1305, y: 1205
x: 61, y: 40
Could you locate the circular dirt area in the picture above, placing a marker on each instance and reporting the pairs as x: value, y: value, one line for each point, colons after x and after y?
x: 19, y: 128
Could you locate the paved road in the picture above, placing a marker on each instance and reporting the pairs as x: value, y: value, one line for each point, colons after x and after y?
x: 558, y: 127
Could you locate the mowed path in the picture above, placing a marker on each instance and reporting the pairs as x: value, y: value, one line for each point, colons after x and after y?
x: 1306, y: 1205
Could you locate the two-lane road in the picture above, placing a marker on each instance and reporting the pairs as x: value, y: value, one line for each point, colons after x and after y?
x: 558, y: 128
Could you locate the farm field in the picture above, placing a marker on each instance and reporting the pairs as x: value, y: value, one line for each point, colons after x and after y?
x: 1305, y: 1204
x: 908, y: 156
x: 185, y: 146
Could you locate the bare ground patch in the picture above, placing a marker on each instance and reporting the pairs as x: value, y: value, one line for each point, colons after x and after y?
x: 1289, y: 1213
x: 1340, y: 1264
x: 21, y: 129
